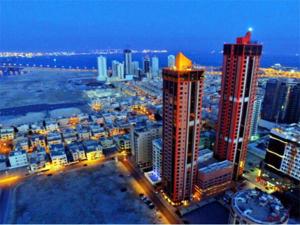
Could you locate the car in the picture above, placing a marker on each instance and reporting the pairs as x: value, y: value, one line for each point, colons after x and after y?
x: 151, y: 206
x: 148, y: 202
x: 144, y: 198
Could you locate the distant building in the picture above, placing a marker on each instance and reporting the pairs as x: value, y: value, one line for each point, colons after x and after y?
x: 257, y: 207
x: 142, y: 144
x: 54, y: 138
x: 83, y: 133
x: 146, y: 65
x: 292, y: 114
x: 18, y: 158
x: 155, y: 66
x: 135, y: 68
x: 283, y: 151
x: 51, y: 125
x: 102, y: 68
x: 171, y: 60
x: 93, y: 150
x: 127, y: 62
x: 58, y: 155
x: 37, y: 140
x: 69, y: 135
x: 213, y: 178
x: 97, y: 131
x: 281, y: 102
x: 7, y: 134
x: 238, y: 91
x: 118, y: 70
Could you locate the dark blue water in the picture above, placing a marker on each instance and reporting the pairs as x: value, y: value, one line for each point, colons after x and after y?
x: 90, y: 61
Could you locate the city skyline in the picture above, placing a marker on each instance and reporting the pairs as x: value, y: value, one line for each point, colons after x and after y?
x: 104, y: 27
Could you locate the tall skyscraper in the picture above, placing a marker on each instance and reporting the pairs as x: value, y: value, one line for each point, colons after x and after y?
x: 117, y: 70
x: 102, y: 68
x: 275, y: 100
x: 239, y: 78
x: 155, y: 66
x: 281, y: 102
x: 146, y: 65
x: 182, y: 102
x: 127, y: 62
x: 293, y: 107
x: 135, y: 67
x: 171, y: 60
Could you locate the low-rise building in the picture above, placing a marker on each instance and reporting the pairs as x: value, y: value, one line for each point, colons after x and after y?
x: 257, y: 207
x: 97, y: 131
x: 93, y: 150
x: 108, y: 146
x: 58, y: 155
x: 37, y: 140
x: 51, y: 125
x: 38, y: 159
x: 69, y: 135
x: 123, y: 143
x: 18, y: 158
x: 54, y: 138
x: 213, y: 178
x: 204, y: 155
x: 83, y: 133
x: 77, y: 151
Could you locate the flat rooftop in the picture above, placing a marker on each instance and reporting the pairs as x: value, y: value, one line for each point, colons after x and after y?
x: 289, y: 132
x: 259, y: 207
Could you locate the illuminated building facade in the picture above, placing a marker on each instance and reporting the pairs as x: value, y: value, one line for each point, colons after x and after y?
x: 240, y: 67
x: 214, y: 178
x: 283, y: 152
x: 182, y: 102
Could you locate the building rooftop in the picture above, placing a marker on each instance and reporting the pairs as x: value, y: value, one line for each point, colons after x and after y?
x: 259, y: 207
x: 289, y: 132
x: 212, y: 167
x: 57, y: 149
x: 17, y: 152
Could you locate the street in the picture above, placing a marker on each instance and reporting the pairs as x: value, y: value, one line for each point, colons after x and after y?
x: 149, y: 191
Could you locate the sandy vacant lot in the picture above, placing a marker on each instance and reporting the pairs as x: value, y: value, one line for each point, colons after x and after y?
x: 88, y: 195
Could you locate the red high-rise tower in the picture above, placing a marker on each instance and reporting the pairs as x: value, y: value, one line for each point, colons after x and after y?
x: 182, y: 102
x: 239, y: 78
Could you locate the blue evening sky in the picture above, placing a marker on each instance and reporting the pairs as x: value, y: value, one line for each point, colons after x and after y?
x: 48, y: 25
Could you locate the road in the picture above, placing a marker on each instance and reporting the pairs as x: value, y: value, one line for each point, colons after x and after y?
x: 149, y: 191
x: 4, y: 204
